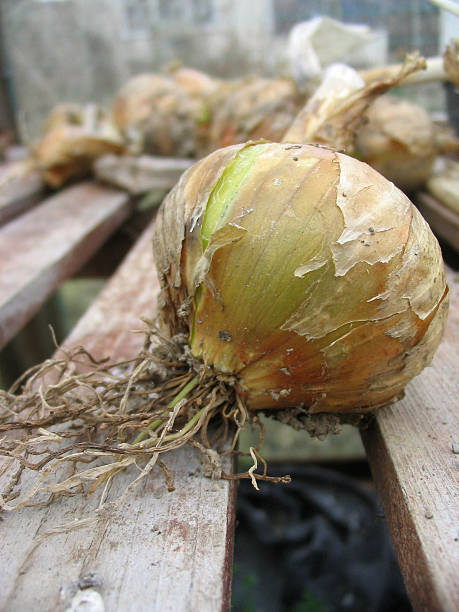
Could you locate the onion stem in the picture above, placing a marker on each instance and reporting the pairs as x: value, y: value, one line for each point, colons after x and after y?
x: 186, y: 427
x: 155, y: 424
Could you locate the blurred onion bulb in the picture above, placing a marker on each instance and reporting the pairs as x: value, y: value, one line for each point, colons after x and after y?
x: 257, y: 108
x: 399, y: 140
x: 73, y: 138
x: 157, y: 115
x: 302, y: 274
x: 168, y: 114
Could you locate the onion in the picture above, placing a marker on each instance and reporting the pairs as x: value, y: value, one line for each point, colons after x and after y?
x: 169, y: 114
x: 291, y: 276
x: 451, y: 61
x: 196, y: 83
x: 73, y: 138
x: 399, y: 140
x: 258, y: 108
x: 333, y: 115
x: 302, y: 275
x: 211, y: 94
x: 63, y: 114
x: 157, y: 114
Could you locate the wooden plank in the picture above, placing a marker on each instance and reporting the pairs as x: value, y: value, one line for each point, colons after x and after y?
x: 48, y: 244
x: 141, y: 174
x: 165, y: 551
x: 19, y: 194
x: 7, y: 118
x: 443, y: 221
x: 412, y: 448
x: 16, y: 153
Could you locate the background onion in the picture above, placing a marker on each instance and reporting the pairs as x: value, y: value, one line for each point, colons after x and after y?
x: 399, y: 141
x: 257, y: 108
x: 158, y: 115
x: 74, y: 136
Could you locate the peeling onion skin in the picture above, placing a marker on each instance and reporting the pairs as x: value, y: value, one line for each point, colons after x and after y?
x: 321, y: 285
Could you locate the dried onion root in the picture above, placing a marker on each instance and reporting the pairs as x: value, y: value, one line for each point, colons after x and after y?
x: 98, y: 418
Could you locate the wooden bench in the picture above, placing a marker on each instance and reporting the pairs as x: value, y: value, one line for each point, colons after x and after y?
x: 173, y: 550
x: 18, y: 194
x: 413, y: 451
x: 168, y: 551
x: 44, y: 246
x: 41, y: 248
x: 443, y: 221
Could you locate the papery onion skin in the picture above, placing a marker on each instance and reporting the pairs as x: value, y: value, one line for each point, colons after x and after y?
x: 257, y: 108
x: 322, y: 286
x: 398, y: 140
x: 156, y: 111
x: 70, y: 143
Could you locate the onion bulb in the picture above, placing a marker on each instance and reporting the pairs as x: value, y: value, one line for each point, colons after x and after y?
x: 211, y: 94
x: 300, y: 274
x: 63, y: 114
x: 258, y: 108
x: 196, y: 83
x: 73, y: 138
x: 399, y: 140
x: 165, y: 114
x: 451, y: 61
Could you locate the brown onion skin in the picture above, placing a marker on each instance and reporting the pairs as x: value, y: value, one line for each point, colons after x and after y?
x: 258, y: 108
x: 398, y: 140
x: 344, y: 333
x: 157, y: 111
x: 68, y: 147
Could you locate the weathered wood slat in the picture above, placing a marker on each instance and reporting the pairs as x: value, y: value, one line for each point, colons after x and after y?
x: 412, y: 449
x: 48, y: 244
x: 19, y: 194
x: 443, y: 221
x: 164, y: 551
x: 141, y: 174
x: 16, y: 153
